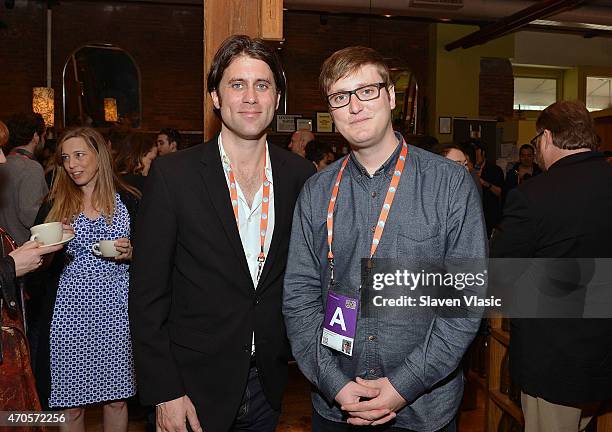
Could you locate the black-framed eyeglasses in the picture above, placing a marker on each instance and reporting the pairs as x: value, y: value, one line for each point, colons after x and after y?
x: 534, y: 140
x: 365, y: 93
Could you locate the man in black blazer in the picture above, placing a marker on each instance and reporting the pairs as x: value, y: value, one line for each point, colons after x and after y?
x: 563, y: 366
x: 212, y: 239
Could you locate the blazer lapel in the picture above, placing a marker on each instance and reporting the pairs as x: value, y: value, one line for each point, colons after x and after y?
x: 216, y: 187
x: 281, y: 216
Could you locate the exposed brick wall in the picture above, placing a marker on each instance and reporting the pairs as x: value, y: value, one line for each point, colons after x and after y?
x: 165, y: 42
x: 311, y: 39
x: 22, y: 55
x: 496, y: 88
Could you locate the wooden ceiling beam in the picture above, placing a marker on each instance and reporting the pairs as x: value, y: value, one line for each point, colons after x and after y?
x: 539, y: 10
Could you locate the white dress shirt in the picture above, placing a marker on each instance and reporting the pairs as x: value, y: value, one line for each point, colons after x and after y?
x: 249, y: 218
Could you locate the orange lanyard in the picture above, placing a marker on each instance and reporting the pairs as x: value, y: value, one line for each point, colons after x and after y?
x: 384, y: 211
x: 265, y: 204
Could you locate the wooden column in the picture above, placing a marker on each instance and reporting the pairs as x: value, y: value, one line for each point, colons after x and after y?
x: 223, y: 18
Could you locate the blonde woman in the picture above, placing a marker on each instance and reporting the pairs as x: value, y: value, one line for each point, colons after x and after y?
x: 90, y: 348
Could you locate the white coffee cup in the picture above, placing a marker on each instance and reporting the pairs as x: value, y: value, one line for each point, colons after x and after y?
x: 105, y: 248
x: 47, y: 233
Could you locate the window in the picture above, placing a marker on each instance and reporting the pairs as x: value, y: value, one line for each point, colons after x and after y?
x: 598, y: 93
x: 534, y: 94
x: 95, y: 73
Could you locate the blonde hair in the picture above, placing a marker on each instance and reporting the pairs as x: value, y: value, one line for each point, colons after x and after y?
x: 349, y: 60
x: 4, y: 134
x: 67, y: 197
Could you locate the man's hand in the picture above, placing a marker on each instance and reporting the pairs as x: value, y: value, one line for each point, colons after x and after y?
x: 352, y: 392
x: 378, y: 410
x: 173, y: 415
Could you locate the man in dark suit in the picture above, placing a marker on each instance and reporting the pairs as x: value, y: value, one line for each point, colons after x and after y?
x: 212, y: 238
x: 563, y: 366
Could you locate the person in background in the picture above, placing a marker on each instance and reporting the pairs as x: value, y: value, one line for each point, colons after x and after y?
x: 427, y: 142
x: 453, y: 152
x: 89, y: 348
x: 491, y: 178
x: 16, y: 377
x: 114, y: 137
x: 41, y: 130
x: 134, y: 160
x: 563, y: 366
x: 524, y: 169
x: 470, y: 153
x: 22, y: 178
x: 319, y: 153
x: 167, y: 141
x: 298, y: 142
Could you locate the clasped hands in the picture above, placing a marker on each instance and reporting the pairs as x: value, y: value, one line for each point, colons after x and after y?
x: 370, y: 402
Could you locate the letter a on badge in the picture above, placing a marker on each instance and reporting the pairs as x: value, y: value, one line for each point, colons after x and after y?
x: 338, y: 318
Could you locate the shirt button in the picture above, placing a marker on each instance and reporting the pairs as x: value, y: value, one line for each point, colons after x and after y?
x: 248, y: 255
x: 372, y: 371
x: 373, y: 228
x: 371, y: 338
x: 374, y: 194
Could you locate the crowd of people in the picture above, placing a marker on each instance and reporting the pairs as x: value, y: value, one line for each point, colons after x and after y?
x: 231, y: 257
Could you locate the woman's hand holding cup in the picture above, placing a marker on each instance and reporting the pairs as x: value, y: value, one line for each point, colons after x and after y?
x: 124, y: 247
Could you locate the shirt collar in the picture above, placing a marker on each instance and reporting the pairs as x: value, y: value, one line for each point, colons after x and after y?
x: 576, y: 158
x: 226, y: 161
x: 22, y: 152
x: 387, y: 167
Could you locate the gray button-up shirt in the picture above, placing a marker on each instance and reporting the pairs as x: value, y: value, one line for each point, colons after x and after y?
x: 436, y: 213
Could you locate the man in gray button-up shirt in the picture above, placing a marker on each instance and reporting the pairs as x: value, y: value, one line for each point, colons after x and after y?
x: 404, y: 369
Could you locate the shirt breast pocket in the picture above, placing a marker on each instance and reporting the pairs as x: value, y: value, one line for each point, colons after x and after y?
x: 421, y: 242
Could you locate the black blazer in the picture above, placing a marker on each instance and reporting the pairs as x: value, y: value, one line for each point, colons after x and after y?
x: 193, y: 307
x: 562, y: 213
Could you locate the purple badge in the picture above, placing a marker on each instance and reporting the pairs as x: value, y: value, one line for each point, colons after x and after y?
x: 340, y: 323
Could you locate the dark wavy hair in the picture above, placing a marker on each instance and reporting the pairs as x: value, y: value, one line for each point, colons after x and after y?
x: 242, y: 45
x: 132, y: 150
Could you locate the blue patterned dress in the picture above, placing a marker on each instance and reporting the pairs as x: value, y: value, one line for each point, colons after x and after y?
x: 91, y: 350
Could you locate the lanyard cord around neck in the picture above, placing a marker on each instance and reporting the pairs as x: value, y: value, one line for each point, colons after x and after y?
x: 265, y: 204
x: 384, y: 211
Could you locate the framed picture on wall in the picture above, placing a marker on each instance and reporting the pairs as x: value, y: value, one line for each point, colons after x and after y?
x: 303, y: 124
x: 324, y: 122
x: 444, y: 126
x: 285, y: 122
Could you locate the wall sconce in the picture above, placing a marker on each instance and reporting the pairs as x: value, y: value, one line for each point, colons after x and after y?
x: 42, y: 103
x: 110, y: 110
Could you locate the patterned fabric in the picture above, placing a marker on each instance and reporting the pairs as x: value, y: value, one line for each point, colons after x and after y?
x: 91, y: 351
x: 17, y: 385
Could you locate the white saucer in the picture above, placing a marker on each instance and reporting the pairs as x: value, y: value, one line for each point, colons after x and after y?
x: 66, y: 237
